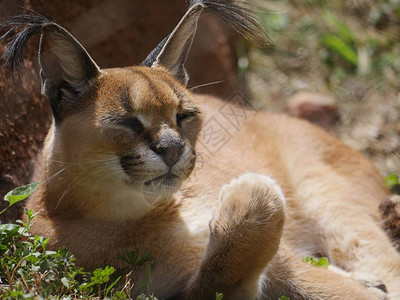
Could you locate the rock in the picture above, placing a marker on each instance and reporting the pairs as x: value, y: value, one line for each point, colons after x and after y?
x: 390, y: 211
x: 317, y: 108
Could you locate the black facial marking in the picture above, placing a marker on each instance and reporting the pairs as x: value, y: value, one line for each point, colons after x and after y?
x: 133, y: 123
x: 126, y: 101
x: 153, y: 88
x: 186, y: 115
x: 128, y: 162
x: 176, y: 91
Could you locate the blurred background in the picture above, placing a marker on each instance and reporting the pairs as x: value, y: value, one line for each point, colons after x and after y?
x: 337, y: 64
x: 334, y: 63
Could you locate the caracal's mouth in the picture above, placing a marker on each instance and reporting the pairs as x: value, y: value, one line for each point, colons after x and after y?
x: 166, y: 179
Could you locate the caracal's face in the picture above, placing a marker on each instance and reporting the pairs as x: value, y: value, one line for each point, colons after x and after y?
x: 136, y: 130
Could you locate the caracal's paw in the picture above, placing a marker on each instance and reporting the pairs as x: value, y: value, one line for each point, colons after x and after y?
x: 252, y: 206
x: 247, y: 227
x: 370, y: 282
x: 374, y: 285
x: 253, y: 182
x: 253, y: 196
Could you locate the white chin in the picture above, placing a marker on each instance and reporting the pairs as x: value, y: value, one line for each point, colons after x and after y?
x: 157, y: 190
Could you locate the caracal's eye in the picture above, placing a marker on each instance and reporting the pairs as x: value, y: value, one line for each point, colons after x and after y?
x: 133, y: 123
x: 186, y: 115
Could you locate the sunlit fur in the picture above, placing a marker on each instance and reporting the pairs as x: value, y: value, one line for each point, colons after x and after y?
x: 235, y: 221
x: 107, y: 161
x: 88, y: 202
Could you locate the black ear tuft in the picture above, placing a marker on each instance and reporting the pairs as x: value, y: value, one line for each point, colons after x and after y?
x: 151, y: 58
x: 67, y: 70
x: 19, y: 30
x: 172, y: 52
x: 238, y: 15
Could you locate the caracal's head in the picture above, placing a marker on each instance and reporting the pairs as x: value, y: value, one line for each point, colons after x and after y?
x: 137, y: 131
x: 121, y: 138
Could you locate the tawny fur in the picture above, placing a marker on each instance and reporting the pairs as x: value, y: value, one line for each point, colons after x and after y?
x: 242, y: 237
x: 119, y: 173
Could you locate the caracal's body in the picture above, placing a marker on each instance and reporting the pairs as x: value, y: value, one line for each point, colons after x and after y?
x: 119, y: 175
x: 332, y: 196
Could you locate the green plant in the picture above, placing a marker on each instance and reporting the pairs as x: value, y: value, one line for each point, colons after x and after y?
x: 321, y: 262
x: 135, y: 259
x: 340, y: 40
x: 29, y: 271
x: 19, y: 194
x: 391, y: 180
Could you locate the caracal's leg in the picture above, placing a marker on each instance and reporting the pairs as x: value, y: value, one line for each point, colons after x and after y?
x: 243, y: 260
x: 286, y: 275
x: 349, y: 230
x: 360, y: 246
x: 244, y: 237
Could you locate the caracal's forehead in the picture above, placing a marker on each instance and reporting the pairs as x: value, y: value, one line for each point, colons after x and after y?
x: 140, y: 90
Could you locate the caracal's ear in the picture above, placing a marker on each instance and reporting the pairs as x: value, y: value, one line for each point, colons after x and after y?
x: 173, y: 51
x: 175, y: 48
x: 67, y: 70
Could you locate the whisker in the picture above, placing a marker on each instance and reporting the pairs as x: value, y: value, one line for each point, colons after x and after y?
x: 206, y: 84
x: 104, y: 177
x: 66, y: 191
x: 148, y: 193
x: 84, y: 162
x: 77, y: 163
x: 53, y: 176
x: 219, y: 160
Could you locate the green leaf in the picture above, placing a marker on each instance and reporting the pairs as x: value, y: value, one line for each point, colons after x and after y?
x: 145, y: 258
x: 20, y: 193
x: 65, y: 282
x: 9, y: 227
x: 334, y: 43
x: 391, y: 180
x: 133, y: 259
x: 341, y: 28
x: 111, y: 286
x: 284, y: 298
x: 86, y: 285
x: 218, y: 296
x: 15, y: 294
x: 101, y: 276
x: 322, y: 262
x: 33, y: 259
x: 309, y: 259
x: 121, y: 295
